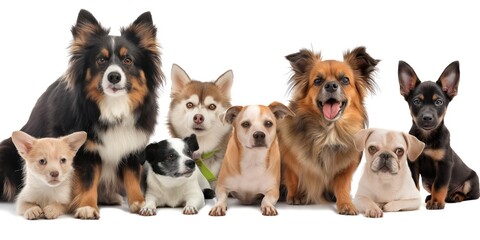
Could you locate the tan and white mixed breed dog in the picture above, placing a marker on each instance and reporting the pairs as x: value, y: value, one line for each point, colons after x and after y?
x: 195, y: 108
x: 251, y: 167
x: 386, y: 183
x: 48, y: 173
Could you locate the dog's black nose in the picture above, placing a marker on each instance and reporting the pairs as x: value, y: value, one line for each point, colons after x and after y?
x: 331, y: 87
x: 258, y: 135
x: 190, y: 163
x: 427, y: 117
x: 54, y: 173
x: 114, y: 77
x: 385, y: 156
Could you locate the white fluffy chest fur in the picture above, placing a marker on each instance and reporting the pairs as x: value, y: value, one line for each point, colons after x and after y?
x: 172, y: 192
x: 254, y: 176
x: 117, y: 143
x: 37, y: 191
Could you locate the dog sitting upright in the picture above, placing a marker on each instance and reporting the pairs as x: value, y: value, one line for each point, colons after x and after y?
x: 444, y: 175
x: 386, y: 183
x: 251, y: 167
x: 171, y: 177
x: 48, y: 173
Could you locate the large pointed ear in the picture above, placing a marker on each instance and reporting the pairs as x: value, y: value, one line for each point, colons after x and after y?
x: 280, y: 111
x: 360, y: 138
x: 142, y: 32
x: 23, y: 142
x: 301, y: 63
x: 449, y: 79
x: 75, y: 140
x: 362, y: 62
x: 192, y: 142
x: 407, y: 78
x: 225, y: 82
x: 231, y: 114
x: 415, y: 146
x: 180, y: 79
x: 86, y: 26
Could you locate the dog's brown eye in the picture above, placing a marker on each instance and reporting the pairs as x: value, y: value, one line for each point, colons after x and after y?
x: 101, y: 60
x: 212, y: 106
x: 345, y: 80
x: 127, y: 61
x: 245, y: 124
x: 372, y: 149
x: 63, y: 160
x: 399, y: 152
x: 171, y: 157
x: 42, y: 161
x: 189, y: 105
x: 268, y: 124
x: 439, y: 102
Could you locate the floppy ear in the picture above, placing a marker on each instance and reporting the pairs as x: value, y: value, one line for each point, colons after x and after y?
x: 231, y: 114
x: 150, y: 152
x: 415, y: 146
x: 280, y: 111
x: 180, y: 79
x: 225, y: 82
x: 192, y: 142
x: 362, y: 62
x: 360, y: 138
x: 449, y: 79
x: 407, y: 78
x: 75, y: 140
x: 23, y: 142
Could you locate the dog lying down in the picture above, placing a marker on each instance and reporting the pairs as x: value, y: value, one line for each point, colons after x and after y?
x: 386, y: 183
x: 171, y: 178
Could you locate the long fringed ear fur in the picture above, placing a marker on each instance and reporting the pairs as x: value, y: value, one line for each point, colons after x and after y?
x: 366, y: 66
x: 301, y: 63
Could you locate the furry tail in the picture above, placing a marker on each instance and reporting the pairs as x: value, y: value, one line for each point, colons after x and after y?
x: 11, y: 172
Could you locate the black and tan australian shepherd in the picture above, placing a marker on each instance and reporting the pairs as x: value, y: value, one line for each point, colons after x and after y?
x: 110, y: 91
x: 317, y: 148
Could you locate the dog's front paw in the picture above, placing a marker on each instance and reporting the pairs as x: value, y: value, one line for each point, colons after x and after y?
x: 218, y: 211
x: 87, y: 212
x: 346, y: 209
x: 434, y: 205
x: 146, y: 211
x: 269, y: 211
x: 52, y: 211
x: 373, y: 212
x: 392, y: 207
x: 190, y: 210
x: 33, y: 213
x: 136, y: 206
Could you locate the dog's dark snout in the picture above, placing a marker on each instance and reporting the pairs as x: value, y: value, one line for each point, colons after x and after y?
x: 427, y: 117
x: 190, y: 163
x: 198, y: 118
x: 331, y: 87
x: 259, y: 135
x: 54, y: 173
x: 114, y: 77
x: 385, y: 156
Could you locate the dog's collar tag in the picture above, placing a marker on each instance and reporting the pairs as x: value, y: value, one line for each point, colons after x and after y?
x: 203, y: 167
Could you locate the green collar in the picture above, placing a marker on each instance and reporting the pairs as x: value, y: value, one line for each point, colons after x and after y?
x: 203, y: 167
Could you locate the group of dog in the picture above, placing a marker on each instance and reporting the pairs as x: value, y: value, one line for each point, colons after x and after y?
x: 87, y: 139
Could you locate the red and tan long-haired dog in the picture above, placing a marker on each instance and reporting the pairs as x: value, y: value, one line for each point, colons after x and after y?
x: 319, y: 157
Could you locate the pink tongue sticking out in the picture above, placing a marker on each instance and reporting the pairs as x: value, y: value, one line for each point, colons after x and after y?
x: 331, y: 109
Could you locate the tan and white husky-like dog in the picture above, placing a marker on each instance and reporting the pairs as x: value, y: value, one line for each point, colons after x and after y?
x: 196, y: 108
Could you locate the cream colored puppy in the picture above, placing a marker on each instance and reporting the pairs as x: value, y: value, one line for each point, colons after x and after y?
x: 386, y: 183
x: 251, y: 167
x: 48, y: 173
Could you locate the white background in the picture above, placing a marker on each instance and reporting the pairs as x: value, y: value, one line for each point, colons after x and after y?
x: 252, y: 38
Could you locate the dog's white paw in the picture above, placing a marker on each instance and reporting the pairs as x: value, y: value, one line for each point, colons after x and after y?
x: 52, y: 211
x: 190, y: 210
x: 218, y: 211
x: 392, y: 207
x: 33, y: 213
x: 146, y: 211
x: 374, y: 212
x: 269, y: 211
x: 136, y: 206
x: 87, y: 212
